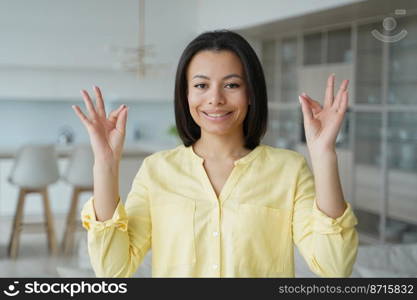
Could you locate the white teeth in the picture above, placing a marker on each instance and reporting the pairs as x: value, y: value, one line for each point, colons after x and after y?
x: 216, y: 115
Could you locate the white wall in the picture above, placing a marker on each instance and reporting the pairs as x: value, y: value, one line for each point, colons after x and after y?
x: 53, y: 48
x: 237, y: 14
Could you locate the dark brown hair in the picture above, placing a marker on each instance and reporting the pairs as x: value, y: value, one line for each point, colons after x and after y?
x: 256, y: 120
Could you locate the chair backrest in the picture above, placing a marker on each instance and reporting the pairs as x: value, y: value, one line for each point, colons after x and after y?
x: 80, y: 167
x: 35, y: 166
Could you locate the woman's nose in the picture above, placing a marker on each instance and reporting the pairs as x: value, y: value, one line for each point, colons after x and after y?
x: 216, y: 96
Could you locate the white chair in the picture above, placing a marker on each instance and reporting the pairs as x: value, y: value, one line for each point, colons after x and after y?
x: 35, y: 167
x: 79, y: 174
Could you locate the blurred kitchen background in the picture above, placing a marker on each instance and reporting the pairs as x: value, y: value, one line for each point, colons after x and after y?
x: 52, y: 49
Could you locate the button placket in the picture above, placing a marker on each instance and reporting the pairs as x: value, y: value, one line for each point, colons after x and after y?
x: 238, y: 170
x: 215, y: 266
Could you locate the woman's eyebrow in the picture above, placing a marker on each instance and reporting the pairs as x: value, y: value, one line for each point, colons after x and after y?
x: 231, y: 76
x: 225, y: 77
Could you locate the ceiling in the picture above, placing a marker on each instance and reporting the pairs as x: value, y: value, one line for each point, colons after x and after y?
x: 338, y: 16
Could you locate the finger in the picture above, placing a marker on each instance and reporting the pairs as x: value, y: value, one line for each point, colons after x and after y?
x: 99, y: 102
x: 313, y: 102
x: 328, y: 98
x: 121, y: 121
x: 344, y: 103
x: 342, y: 89
x: 81, y: 115
x: 307, y: 113
x: 89, y: 104
x: 315, y: 106
x: 114, y: 114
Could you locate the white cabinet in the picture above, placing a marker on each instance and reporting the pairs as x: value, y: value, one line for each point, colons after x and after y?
x: 385, y: 142
x: 312, y: 79
x: 402, y: 192
x: 377, y: 144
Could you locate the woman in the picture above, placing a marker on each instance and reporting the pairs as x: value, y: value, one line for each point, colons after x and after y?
x: 221, y: 204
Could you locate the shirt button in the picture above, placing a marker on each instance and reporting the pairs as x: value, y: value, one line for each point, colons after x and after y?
x: 215, y: 266
x: 215, y: 233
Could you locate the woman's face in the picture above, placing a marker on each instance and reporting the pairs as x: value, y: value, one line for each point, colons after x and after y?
x: 217, y: 92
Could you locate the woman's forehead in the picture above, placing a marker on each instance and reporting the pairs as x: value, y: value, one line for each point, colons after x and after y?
x: 211, y: 63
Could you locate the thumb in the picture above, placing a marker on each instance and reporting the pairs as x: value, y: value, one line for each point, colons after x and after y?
x: 121, y: 121
x: 307, y: 113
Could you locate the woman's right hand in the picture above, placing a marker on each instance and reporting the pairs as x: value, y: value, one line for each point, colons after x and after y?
x: 107, y: 134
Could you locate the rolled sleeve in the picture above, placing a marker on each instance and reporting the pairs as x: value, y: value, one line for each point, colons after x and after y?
x: 328, y: 245
x: 119, y: 219
x: 324, y: 224
x: 117, y: 246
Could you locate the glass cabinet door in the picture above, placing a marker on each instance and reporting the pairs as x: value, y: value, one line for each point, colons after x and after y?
x: 402, y: 177
x: 367, y: 177
x: 313, y: 49
x: 284, y: 128
x: 402, y: 88
x: 269, y: 66
x: 288, y: 74
x: 339, y: 46
x: 368, y: 66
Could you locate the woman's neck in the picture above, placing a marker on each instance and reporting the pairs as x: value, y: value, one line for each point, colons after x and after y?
x: 220, y: 147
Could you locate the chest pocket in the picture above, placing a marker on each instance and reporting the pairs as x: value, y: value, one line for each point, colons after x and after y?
x: 173, y: 238
x: 264, y: 237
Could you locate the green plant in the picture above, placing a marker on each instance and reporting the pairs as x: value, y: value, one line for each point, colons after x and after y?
x: 172, y: 130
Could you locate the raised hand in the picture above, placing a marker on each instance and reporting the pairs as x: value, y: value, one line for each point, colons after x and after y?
x: 322, y: 124
x: 107, y: 134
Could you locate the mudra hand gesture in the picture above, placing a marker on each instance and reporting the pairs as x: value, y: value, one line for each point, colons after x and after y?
x: 322, y: 124
x: 107, y: 134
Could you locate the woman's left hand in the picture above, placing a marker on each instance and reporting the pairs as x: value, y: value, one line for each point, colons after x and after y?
x: 322, y: 124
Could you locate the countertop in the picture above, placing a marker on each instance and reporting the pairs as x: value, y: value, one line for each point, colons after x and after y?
x: 140, y: 148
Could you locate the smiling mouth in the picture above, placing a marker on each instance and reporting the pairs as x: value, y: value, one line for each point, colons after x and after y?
x: 217, y: 115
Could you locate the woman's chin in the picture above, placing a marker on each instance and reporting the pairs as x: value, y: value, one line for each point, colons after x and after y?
x: 217, y: 131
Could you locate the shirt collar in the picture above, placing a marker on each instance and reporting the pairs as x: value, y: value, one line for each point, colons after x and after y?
x: 243, y: 160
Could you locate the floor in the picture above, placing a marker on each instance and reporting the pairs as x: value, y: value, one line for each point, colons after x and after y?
x: 33, y: 259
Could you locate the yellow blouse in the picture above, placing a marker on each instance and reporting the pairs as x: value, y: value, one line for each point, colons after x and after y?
x: 265, y: 207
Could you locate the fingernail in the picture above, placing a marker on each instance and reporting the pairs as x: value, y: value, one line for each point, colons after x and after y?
x: 300, y: 99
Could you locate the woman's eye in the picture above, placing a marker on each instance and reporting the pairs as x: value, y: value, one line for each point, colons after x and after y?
x: 200, y: 85
x: 232, y: 85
